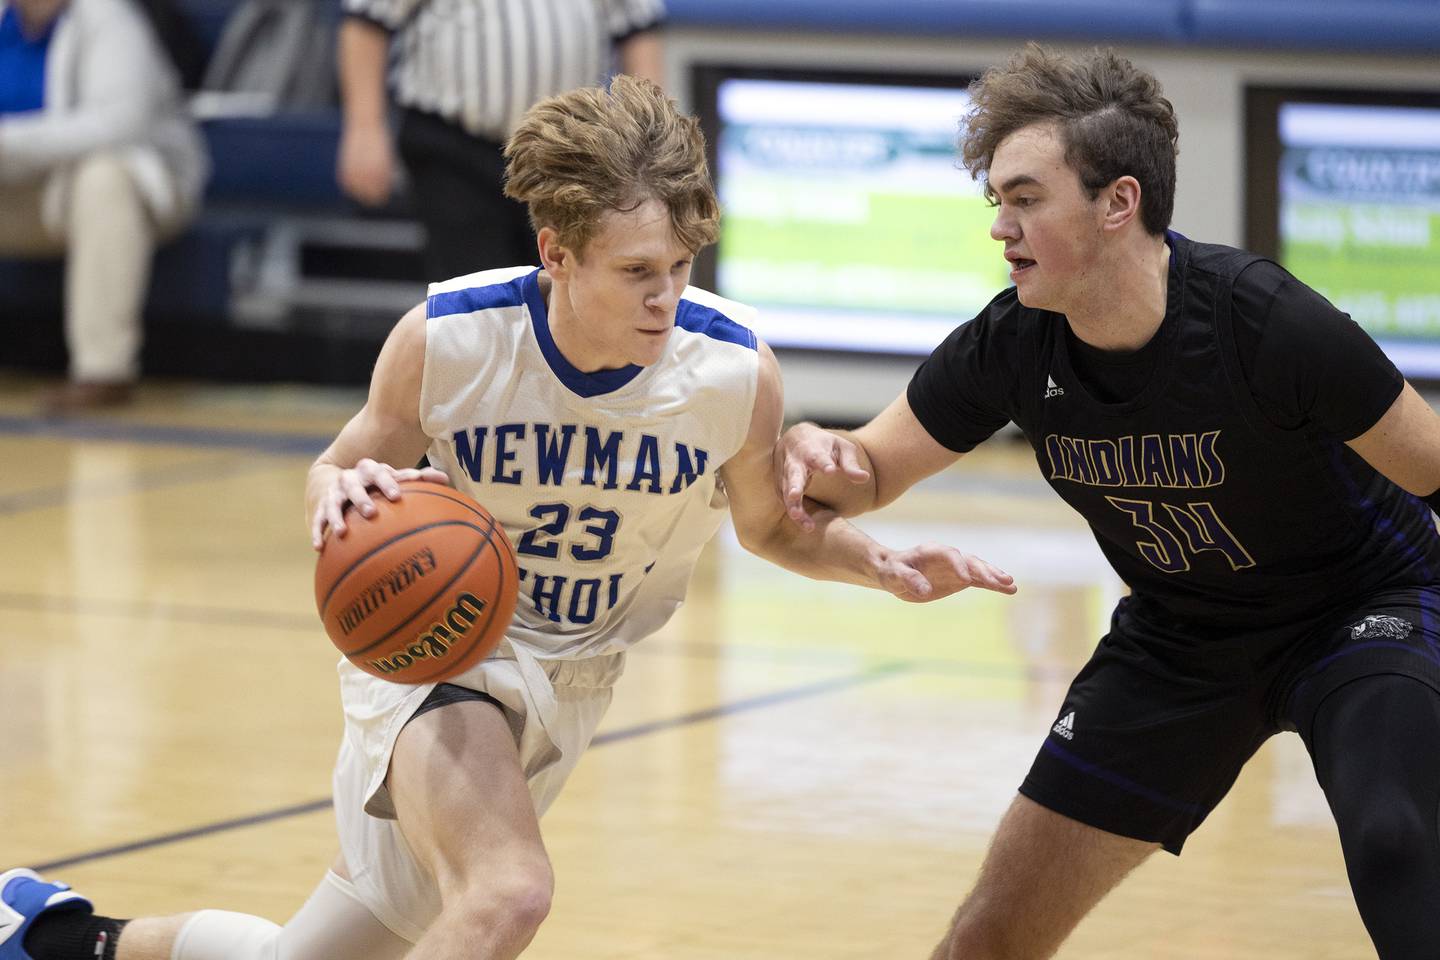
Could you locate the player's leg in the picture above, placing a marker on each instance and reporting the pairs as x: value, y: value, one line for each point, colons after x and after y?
x: 1151, y: 736
x: 1362, y: 692
x: 332, y: 923
x: 1023, y: 906
x: 1373, y: 742
x: 465, y: 810
x: 34, y: 910
x: 467, y: 815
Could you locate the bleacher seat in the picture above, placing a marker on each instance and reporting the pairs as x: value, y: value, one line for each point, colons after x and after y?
x: 283, y: 161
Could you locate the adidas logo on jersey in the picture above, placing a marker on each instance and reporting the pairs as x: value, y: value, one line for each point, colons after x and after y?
x: 1065, y: 726
x: 1051, y: 390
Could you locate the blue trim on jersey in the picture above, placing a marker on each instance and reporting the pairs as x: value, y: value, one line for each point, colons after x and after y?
x: 698, y: 318
x: 496, y: 295
x: 22, y: 65
x: 1413, y: 552
x: 1373, y: 518
x: 1171, y: 236
x: 577, y: 380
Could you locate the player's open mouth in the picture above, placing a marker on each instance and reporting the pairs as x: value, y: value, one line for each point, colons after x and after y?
x: 1019, y: 265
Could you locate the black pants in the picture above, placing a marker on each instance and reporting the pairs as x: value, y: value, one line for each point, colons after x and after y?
x: 1374, y: 746
x: 457, y: 180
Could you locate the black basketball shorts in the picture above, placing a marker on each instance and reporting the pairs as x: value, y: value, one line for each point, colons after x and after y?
x: 1155, y: 728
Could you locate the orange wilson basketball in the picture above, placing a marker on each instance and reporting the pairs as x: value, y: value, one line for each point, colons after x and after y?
x: 421, y: 591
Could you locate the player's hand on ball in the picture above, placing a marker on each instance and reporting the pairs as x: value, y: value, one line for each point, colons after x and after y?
x: 353, y: 486
x: 804, y: 451
x: 932, y: 571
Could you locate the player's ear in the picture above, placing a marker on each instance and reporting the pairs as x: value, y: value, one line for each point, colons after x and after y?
x: 1122, y: 202
x: 557, y: 258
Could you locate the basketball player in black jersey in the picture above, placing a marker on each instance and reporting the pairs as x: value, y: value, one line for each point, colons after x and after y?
x: 1252, y: 466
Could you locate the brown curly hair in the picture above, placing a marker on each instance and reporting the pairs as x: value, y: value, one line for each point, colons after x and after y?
x: 579, y: 154
x: 1111, y: 115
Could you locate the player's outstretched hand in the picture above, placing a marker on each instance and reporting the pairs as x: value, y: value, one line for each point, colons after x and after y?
x: 804, y: 451
x: 932, y: 571
x: 353, y: 486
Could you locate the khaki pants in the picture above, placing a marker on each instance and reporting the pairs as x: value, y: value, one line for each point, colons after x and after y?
x: 108, y: 241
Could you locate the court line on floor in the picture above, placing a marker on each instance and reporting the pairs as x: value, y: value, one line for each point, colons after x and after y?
x: 160, y: 435
x: 811, y: 657
x: 170, y: 612
x: 882, y: 671
x: 205, y: 830
x: 41, y: 498
x: 658, y: 647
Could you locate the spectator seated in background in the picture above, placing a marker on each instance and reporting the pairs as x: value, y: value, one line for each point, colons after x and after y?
x: 99, y: 162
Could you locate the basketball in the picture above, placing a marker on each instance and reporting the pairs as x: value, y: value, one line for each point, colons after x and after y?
x: 421, y: 591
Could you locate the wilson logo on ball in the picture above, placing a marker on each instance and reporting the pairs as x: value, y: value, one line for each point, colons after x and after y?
x: 438, y: 639
x: 420, y: 590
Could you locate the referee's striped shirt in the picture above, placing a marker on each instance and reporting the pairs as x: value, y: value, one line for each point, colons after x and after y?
x: 482, y: 63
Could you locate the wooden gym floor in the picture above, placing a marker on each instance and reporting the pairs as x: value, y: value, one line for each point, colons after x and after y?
x: 791, y: 770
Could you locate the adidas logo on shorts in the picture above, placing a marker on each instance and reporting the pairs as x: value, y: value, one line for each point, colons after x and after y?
x: 1065, y: 726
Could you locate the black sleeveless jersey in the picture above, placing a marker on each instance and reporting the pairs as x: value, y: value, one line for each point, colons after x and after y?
x: 1214, y: 513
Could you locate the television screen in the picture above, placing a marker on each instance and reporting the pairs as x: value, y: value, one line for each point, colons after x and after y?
x: 1346, y: 196
x: 848, y: 220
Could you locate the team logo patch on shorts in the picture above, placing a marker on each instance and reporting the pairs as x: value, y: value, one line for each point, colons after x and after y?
x: 1379, y: 626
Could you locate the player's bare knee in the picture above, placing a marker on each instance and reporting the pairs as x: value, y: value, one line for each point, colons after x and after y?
x: 527, y: 904
x: 516, y: 898
x: 992, y: 926
x: 983, y: 938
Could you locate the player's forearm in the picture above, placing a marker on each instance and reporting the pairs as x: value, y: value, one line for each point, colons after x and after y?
x: 320, y: 480
x: 837, y: 491
x: 835, y: 550
x: 363, y: 53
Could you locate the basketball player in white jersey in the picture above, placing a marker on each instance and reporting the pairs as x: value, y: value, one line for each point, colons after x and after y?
x: 606, y: 414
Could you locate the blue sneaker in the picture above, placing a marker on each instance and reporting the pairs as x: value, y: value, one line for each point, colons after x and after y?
x: 23, y: 897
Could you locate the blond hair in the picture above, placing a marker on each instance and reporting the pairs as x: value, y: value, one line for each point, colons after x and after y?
x: 580, y: 154
x: 1112, y: 117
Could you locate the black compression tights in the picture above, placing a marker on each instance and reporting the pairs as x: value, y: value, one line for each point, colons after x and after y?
x: 1376, y: 747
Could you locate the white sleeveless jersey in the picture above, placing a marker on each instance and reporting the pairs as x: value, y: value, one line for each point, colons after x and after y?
x: 604, y: 482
